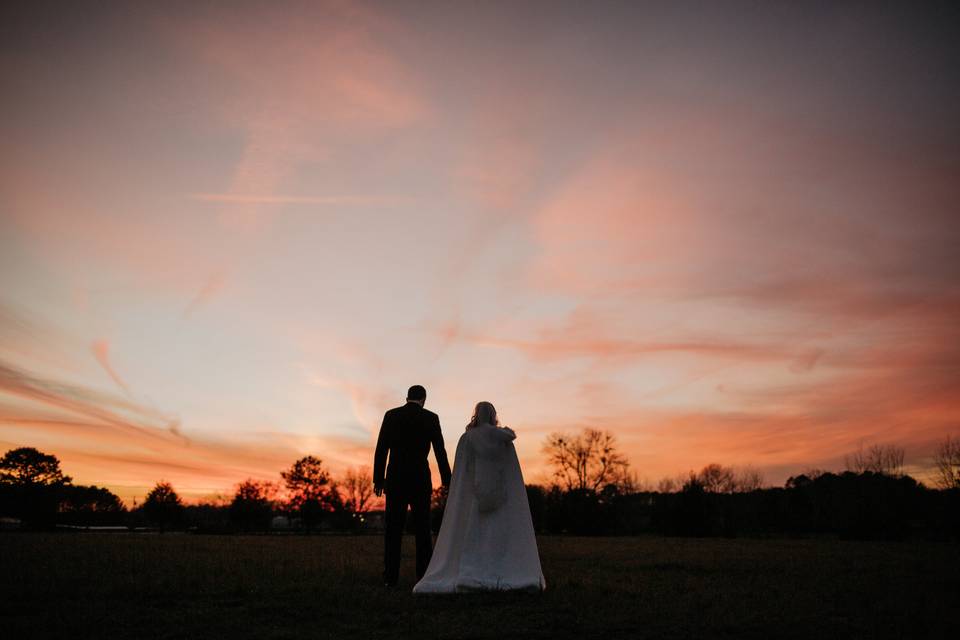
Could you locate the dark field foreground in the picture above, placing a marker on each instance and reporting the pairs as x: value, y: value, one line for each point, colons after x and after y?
x: 184, y: 586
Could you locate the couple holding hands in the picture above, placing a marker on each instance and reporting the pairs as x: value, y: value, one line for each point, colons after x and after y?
x: 486, y: 540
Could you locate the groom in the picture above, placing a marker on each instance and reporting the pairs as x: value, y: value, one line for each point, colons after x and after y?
x: 406, y: 434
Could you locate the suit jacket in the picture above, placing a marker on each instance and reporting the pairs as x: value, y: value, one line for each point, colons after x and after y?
x: 406, y: 434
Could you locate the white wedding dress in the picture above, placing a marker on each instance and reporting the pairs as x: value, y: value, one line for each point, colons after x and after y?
x: 486, y: 540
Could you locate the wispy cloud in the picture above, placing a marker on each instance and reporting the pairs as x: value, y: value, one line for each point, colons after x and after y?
x: 104, y: 439
x: 96, y: 407
x: 339, y: 74
x: 346, y: 198
x: 237, y: 198
x: 211, y: 287
x: 582, y: 333
x: 101, y: 351
x: 24, y: 337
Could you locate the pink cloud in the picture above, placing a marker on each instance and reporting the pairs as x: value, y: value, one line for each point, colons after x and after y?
x: 338, y: 75
x: 289, y: 199
x: 206, y: 293
x: 101, y: 351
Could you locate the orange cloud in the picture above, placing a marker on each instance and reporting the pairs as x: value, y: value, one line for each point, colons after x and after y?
x: 110, y: 441
x: 909, y: 397
x: 100, y: 408
x: 760, y: 270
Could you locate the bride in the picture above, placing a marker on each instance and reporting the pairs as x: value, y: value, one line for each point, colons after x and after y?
x: 486, y: 540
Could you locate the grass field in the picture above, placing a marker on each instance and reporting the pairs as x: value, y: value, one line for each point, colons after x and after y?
x: 185, y: 586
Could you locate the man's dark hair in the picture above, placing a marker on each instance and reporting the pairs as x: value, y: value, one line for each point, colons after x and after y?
x: 416, y: 392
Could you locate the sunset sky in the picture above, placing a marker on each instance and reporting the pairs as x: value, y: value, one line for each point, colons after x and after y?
x: 233, y: 234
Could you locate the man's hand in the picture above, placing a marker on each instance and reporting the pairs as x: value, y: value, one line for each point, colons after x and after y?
x: 377, y: 489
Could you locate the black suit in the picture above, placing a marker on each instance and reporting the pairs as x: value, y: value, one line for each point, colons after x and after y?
x: 406, y: 434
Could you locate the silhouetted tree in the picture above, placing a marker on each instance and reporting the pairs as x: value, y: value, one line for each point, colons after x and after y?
x: 692, y: 517
x: 884, y: 459
x: 583, y: 512
x: 537, y: 499
x: 854, y: 505
x: 27, y: 466
x: 31, y: 485
x: 667, y: 485
x: 210, y: 514
x: 671, y: 485
x: 163, y: 506
x: 93, y: 499
x: 438, y: 504
x: 252, y: 504
x: 747, y: 479
x: 629, y: 482
x: 312, y: 492
x: 947, y: 460
x: 587, y: 461
x: 798, y: 482
x: 358, y: 488
x: 80, y: 505
x: 716, y: 478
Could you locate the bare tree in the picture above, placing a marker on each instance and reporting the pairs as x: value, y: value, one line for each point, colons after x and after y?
x: 947, y: 459
x: 674, y: 484
x: 668, y: 485
x: 748, y: 479
x: 813, y: 473
x: 856, y: 461
x: 631, y: 482
x: 716, y: 478
x: 885, y: 459
x: 358, y: 489
x: 215, y: 501
x: 589, y: 460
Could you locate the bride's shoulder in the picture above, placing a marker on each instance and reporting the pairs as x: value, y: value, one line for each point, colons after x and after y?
x: 489, y: 433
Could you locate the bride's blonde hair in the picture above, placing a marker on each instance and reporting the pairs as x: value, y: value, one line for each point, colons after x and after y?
x: 484, y: 413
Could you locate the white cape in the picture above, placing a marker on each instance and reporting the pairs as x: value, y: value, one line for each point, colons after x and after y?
x: 486, y: 540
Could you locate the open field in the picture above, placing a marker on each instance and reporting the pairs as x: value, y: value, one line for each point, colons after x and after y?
x: 184, y: 586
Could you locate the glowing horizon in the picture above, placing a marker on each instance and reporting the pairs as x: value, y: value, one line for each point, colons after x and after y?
x: 231, y: 236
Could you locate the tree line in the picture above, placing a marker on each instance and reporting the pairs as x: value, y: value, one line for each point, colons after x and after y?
x: 34, y: 490
x: 592, y: 492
